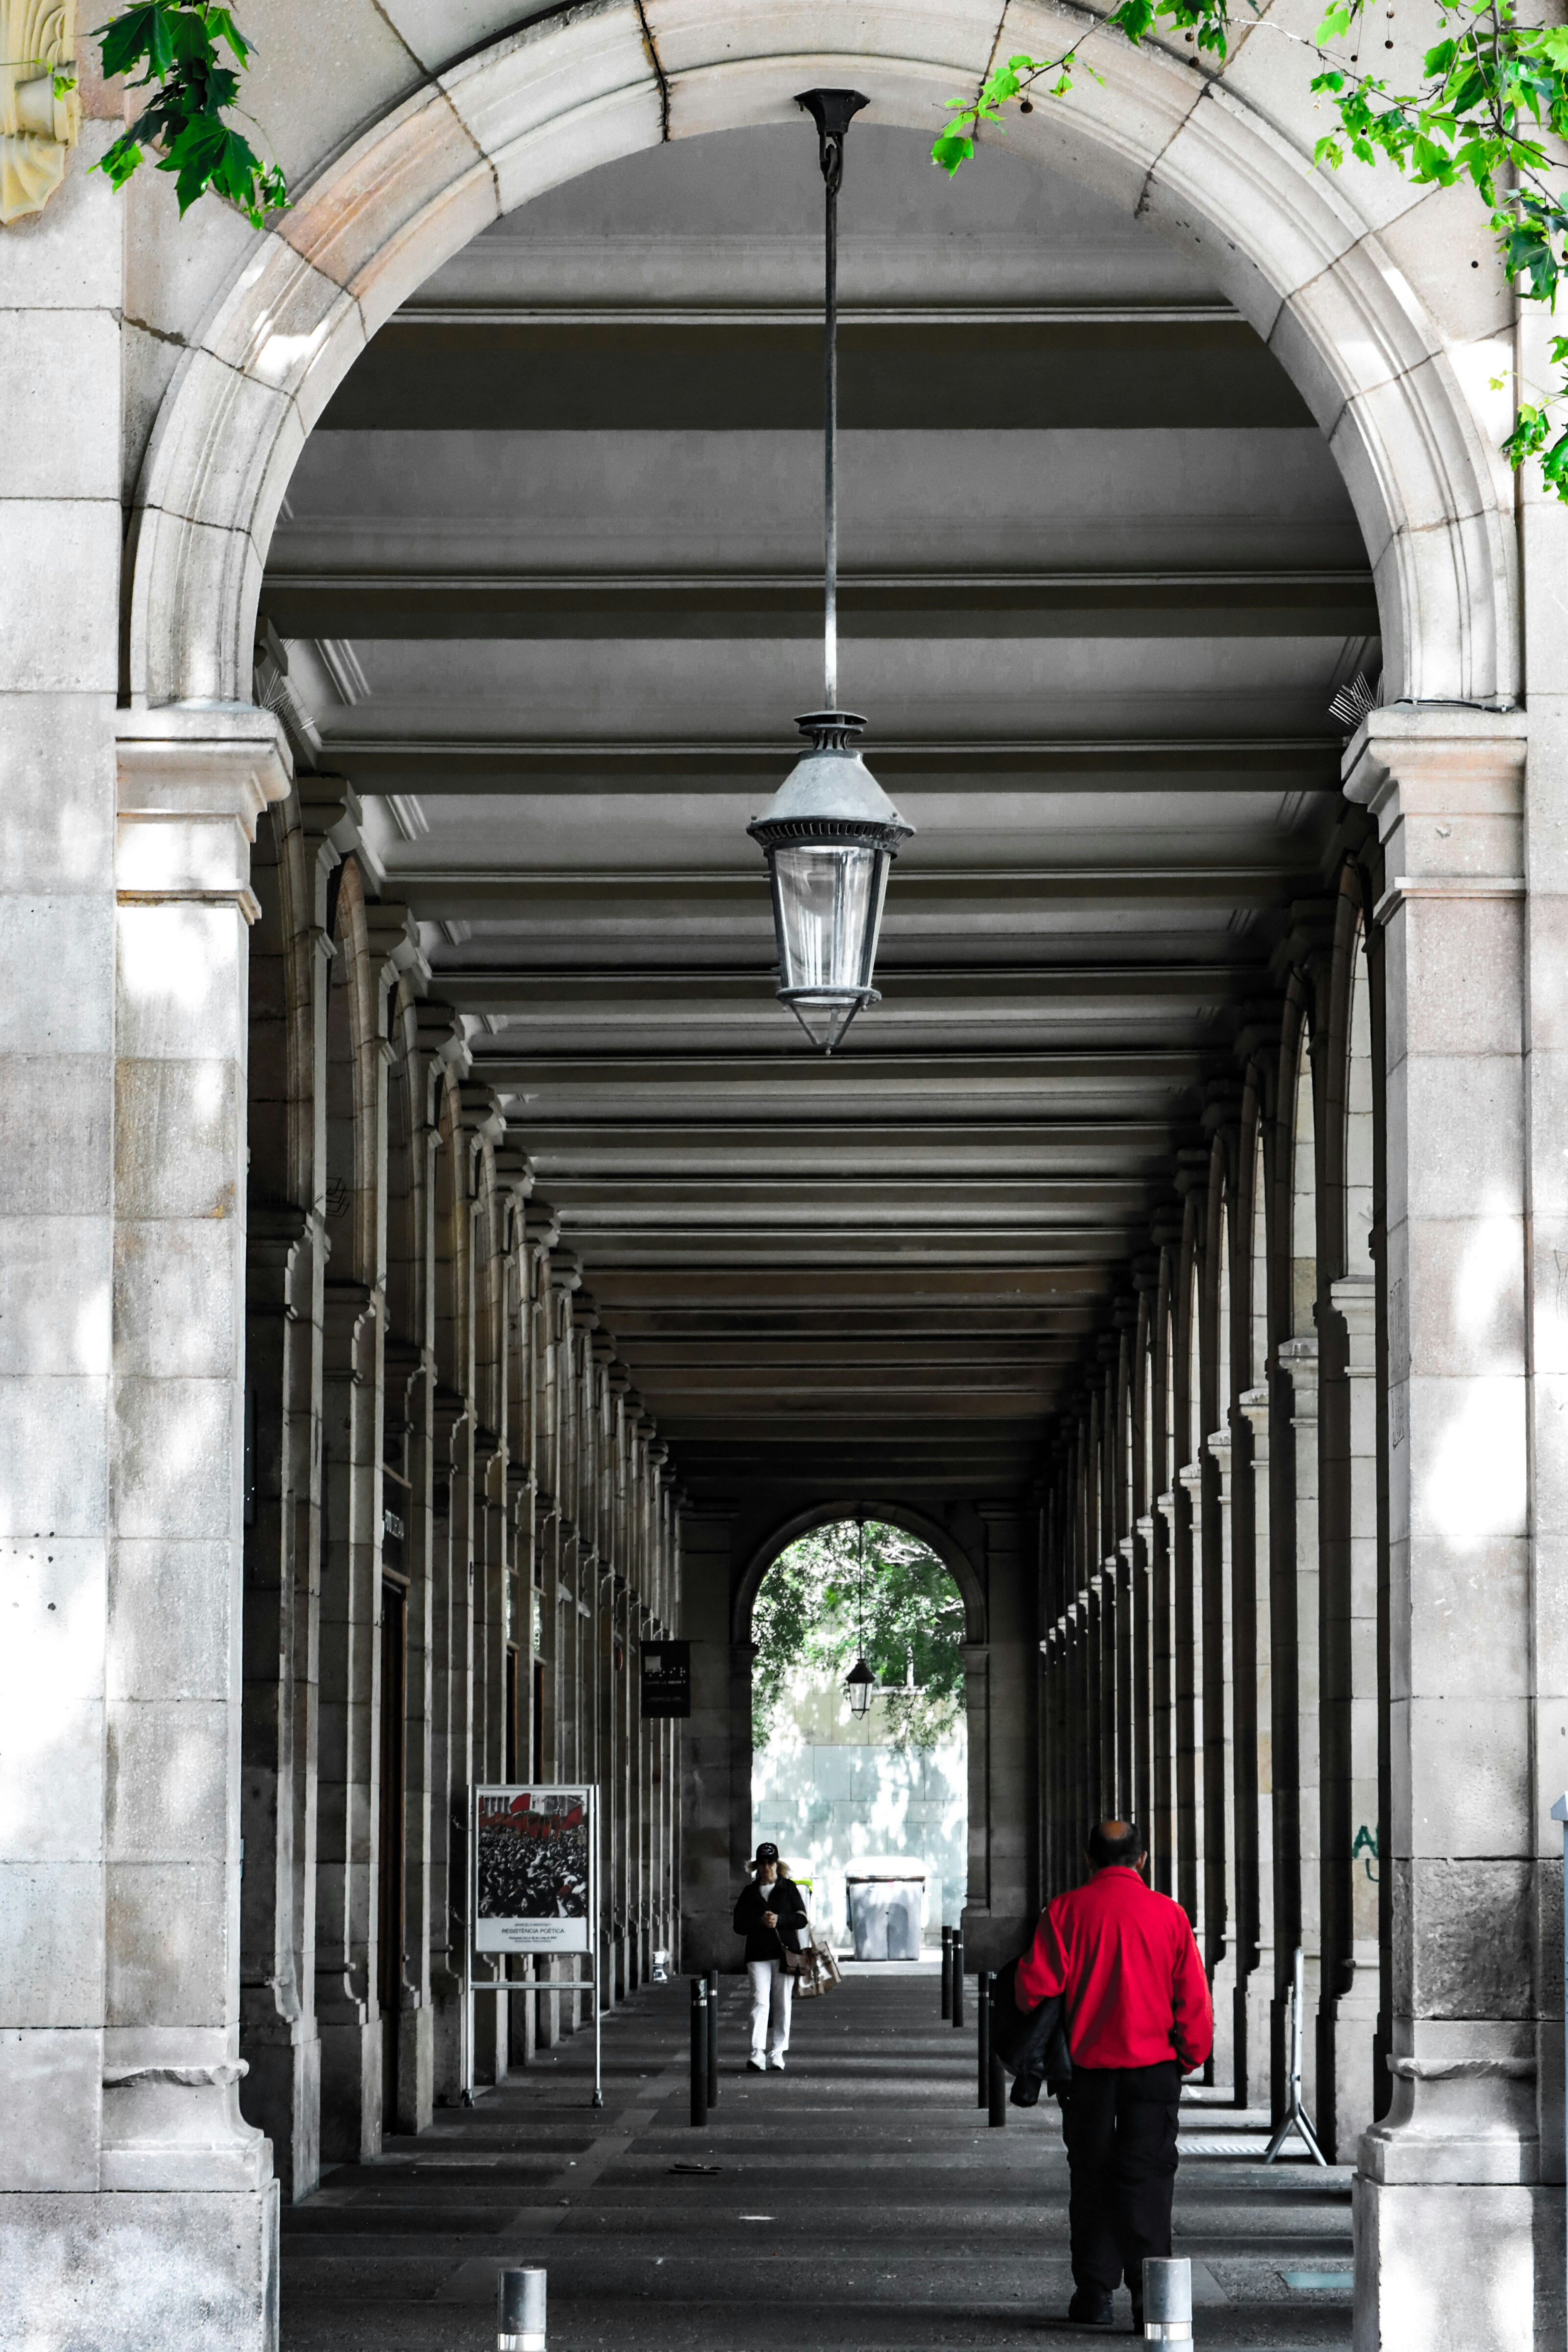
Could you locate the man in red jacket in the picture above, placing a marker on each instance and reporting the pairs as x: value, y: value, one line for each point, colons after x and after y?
x: 1138, y: 2017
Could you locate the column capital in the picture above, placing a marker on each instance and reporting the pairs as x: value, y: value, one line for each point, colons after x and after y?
x: 1446, y: 786
x: 192, y: 780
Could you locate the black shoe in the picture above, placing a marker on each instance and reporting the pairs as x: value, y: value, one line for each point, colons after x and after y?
x: 1091, y: 2307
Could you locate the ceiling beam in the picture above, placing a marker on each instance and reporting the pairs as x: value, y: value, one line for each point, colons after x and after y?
x: 549, y: 994
x: 429, y: 765
x: 446, y: 891
x: 391, y: 602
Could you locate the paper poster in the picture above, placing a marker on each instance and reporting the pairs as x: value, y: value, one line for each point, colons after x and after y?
x: 533, y: 1870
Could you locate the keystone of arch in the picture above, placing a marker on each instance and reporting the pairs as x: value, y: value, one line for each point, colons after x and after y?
x: 579, y: 89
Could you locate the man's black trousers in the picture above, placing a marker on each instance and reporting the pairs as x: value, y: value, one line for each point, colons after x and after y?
x: 1119, y: 2125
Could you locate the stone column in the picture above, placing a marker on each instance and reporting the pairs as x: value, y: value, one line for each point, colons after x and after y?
x: 1222, y: 1912
x: 1296, y: 1669
x: 1261, y: 2081
x: 1445, y: 2204
x: 1189, y: 1698
x: 60, y: 531
x: 715, y: 1810
x: 201, y: 2206
x: 1011, y: 1904
x: 1162, y: 1775
x: 1347, y: 2091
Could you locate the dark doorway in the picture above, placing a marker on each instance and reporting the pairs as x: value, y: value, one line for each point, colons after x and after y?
x: 513, y: 1748
x: 390, y: 1902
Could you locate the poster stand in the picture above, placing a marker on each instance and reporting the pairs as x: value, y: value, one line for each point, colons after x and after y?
x: 521, y: 1911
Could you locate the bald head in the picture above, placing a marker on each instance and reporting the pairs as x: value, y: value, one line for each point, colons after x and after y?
x: 1111, y: 1843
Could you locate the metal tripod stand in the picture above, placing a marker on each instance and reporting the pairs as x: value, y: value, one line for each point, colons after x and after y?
x: 1296, y: 2117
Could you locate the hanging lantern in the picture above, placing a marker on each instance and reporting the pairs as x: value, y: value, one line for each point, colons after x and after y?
x: 830, y: 833
x: 860, y: 1685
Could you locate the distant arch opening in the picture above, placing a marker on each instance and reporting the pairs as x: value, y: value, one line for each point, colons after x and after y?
x: 842, y: 1793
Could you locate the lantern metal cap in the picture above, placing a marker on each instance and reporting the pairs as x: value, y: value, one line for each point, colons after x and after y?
x: 831, y: 794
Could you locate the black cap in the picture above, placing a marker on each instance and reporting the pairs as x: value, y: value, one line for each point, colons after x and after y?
x: 767, y: 1852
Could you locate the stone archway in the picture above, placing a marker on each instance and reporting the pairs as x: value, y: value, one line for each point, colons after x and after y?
x: 971, y: 1582
x: 582, y: 87
x: 937, y: 1538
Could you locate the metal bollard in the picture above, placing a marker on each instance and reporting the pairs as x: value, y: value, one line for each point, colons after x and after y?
x: 997, y: 2117
x: 699, y: 2050
x: 1167, y: 2301
x: 983, y: 1983
x: 946, y: 1973
x: 713, y: 2037
x: 519, y: 2311
x: 957, y: 1979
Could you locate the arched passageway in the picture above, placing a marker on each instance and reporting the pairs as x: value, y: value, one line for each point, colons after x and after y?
x: 1153, y: 1252
x: 840, y: 1786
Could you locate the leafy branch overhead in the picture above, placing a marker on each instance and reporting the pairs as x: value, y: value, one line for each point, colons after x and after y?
x: 1492, y: 92
x: 180, y: 46
x: 814, y: 1606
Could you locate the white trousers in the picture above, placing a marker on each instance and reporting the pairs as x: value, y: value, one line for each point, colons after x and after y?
x: 773, y: 1992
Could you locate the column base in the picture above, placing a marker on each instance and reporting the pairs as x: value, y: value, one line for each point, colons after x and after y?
x: 282, y: 2096
x: 1470, y: 2267
x: 1254, y: 2034
x: 123, y: 2271
x: 417, y: 2070
x: 1347, y: 2087
x: 1226, y: 2005
x: 351, y: 2088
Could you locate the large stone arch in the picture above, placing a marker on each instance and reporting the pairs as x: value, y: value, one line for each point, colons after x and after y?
x: 584, y: 86
x: 929, y: 1531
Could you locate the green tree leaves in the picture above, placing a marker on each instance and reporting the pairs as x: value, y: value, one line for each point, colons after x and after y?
x: 179, y: 44
x: 1492, y: 90
x: 808, y: 1614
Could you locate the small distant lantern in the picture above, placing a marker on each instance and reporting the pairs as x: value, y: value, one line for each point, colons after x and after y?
x: 860, y: 1684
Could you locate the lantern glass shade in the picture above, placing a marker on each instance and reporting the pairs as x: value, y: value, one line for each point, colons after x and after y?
x: 860, y: 1684
x: 827, y: 913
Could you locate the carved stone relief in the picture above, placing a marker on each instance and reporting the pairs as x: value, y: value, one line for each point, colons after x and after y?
x: 39, y: 120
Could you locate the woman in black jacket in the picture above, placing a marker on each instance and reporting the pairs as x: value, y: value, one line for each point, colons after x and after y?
x: 770, y: 1914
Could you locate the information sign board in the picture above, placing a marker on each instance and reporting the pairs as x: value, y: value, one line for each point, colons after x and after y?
x: 666, y: 1681
x: 533, y: 1869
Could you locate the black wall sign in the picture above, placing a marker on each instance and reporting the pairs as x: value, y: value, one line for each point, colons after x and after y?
x: 665, y: 1680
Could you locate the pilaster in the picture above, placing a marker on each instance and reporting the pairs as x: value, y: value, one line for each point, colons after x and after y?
x: 1443, y: 2207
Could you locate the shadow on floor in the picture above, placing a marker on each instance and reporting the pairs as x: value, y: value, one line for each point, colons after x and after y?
x: 861, y: 2202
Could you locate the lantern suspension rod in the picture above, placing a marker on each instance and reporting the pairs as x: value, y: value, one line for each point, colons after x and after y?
x: 833, y: 111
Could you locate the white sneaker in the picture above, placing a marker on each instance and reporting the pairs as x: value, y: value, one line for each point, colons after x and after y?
x: 755, y: 2066
x: 777, y: 2064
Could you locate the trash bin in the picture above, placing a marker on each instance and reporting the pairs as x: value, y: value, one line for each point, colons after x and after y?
x: 886, y: 1901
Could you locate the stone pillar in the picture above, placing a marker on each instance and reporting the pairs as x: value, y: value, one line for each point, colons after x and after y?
x: 1347, y: 2026
x: 282, y: 2092
x: 195, y: 2247
x: 1222, y: 1911
x: 1189, y: 1698
x: 997, y: 1929
x: 1262, y: 1978
x: 715, y: 1812
x: 1163, y: 1830
x: 1296, y: 1663
x: 1444, y: 2201
x: 58, y: 672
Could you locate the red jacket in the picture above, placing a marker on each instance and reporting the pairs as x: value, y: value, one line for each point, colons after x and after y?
x: 1136, y: 1991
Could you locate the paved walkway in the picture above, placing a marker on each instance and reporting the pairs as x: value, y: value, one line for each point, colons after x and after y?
x: 861, y: 2202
